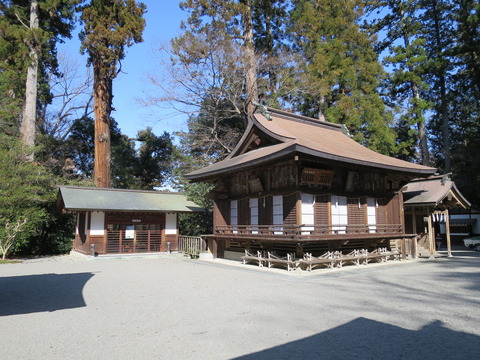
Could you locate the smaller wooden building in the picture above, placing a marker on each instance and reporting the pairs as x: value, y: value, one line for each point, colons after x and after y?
x: 427, y: 205
x: 116, y: 221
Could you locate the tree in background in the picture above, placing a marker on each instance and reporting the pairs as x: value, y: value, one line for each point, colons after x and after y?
x: 30, y: 32
x: 465, y: 105
x: 28, y: 198
x: 408, y: 61
x: 145, y: 166
x: 340, y: 75
x: 109, y: 26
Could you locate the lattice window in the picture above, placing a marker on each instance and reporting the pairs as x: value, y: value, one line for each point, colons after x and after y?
x: 317, y: 177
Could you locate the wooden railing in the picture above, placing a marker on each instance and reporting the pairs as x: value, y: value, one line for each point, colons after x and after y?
x: 306, y: 231
x: 191, y: 245
x: 120, y: 241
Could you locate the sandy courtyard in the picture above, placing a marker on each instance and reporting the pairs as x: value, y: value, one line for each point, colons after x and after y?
x: 175, y: 308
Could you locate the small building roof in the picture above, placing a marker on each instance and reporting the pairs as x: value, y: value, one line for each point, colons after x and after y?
x: 289, y: 133
x: 75, y: 198
x: 436, y: 191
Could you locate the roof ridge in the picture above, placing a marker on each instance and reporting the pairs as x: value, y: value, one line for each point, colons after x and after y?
x: 302, y: 118
x: 119, y: 190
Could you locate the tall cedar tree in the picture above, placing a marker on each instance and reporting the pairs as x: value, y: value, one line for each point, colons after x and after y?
x: 466, y: 103
x: 341, y: 72
x: 30, y: 31
x: 408, y: 59
x: 109, y: 26
x: 437, y: 17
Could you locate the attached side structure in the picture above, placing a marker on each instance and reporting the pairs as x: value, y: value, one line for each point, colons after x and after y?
x: 118, y: 221
x: 428, y: 203
x: 295, y: 184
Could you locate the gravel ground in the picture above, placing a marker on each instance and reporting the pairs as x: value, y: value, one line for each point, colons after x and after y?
x: 75, y: 307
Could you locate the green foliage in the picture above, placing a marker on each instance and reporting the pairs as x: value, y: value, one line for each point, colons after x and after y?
x: 341, y: 73
x: 195, y: 224
x: 56, y: 18
x: 109, y: 27
x: 28, y: 191
x: 145, y: 167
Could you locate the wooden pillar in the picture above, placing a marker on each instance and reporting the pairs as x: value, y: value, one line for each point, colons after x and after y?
x: 431, y: 238
x: 414, y: 248
x: 414, y: 221
x: 404, y: 249
x: 447, y: 230
x: 298, y: 209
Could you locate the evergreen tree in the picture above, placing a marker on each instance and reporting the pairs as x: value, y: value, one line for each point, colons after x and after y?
x: 437, y: 30
x: 109, y: 26
x: 30, y: 31
x: 407, y: 60
x: 341, y: 72
x: 147, y: 167
x: 465, y: 105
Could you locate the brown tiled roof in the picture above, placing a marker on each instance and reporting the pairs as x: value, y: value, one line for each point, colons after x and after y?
x: 431, y: 192
x: 308, y: 136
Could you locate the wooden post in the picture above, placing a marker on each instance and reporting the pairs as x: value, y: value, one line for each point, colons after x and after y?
x: 404, y: 249
x: 414, y: 248
x: 298, y: 209
x: 447, y: 230
x: 431, y: 239
x: 414, y: 222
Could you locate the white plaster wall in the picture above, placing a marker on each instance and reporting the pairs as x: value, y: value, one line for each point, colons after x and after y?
x: 170, y: 223
x: 97, y: 223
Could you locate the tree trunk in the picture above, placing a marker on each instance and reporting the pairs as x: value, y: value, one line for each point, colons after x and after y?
x: 27, y: 128
x: 249, y: 58
x: 321, y: 107
x: 102, y: 93
x: 422, y: 134
x: 443, y: 96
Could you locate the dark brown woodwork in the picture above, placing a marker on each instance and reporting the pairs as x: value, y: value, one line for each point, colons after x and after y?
x: 356, y: 211
x: 289, y: 209
x: 265, y: 210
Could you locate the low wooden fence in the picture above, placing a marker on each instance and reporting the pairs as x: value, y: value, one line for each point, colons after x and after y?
x: 191, y: 245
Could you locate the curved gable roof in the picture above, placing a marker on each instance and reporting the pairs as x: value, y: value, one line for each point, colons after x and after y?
x: 296, y: 133
x: 433, y: 192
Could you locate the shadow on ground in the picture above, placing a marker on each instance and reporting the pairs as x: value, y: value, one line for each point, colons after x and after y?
x: 37, y: 293
x: 368, y: 339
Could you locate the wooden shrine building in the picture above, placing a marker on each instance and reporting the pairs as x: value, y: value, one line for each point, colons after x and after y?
x: 427, y: 205
x: 294, y: 184
x: 115, y: 221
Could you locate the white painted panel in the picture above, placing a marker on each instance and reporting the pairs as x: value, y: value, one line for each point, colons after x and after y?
x: 234, y: 214
x: 97, y: 223
x: 372, y: 214
x: 170, y: 223
x: 308, y: 206
x: 339, y: 213
x: 253, y: 202
x: 278, y: 213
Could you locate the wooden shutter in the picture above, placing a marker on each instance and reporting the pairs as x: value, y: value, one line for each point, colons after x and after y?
x: 243, y: 212
x: 289, y: 210
x: 356, y: 211
x: 382, y: 212
x: 265, y: 206
x: 322, y: 215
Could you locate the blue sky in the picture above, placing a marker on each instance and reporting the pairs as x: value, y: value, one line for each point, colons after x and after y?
x: 162, y: 23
